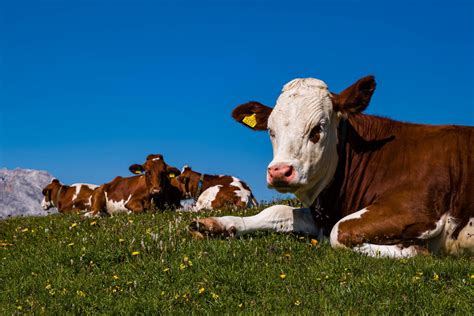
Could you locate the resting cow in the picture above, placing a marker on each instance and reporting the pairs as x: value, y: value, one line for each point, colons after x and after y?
x: 212, y: 192
x: 67, y: 198
x: 373, y: 185
x: 150, y: 190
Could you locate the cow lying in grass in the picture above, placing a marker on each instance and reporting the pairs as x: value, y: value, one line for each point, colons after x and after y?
x: 373, y: 185
x: 213, y: 192
x: 149, y: 190
x: 67, y: 198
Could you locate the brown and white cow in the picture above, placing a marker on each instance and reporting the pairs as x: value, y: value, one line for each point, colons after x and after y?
x: 149, y: 190
x: 67, y: 198
x: 373, y: 185
x: 213, y: 192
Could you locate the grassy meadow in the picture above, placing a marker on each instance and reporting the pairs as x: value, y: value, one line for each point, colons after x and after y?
x: 149, y: 263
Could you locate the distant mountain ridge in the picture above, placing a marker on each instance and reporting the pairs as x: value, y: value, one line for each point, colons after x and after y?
x: 20, y: 192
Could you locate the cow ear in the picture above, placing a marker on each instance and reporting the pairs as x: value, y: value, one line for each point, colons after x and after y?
x: 136, y: 169
x: 55, y: 181
x: 355, y: 98
x: 172, y: 172
x: 186, y: 168
x: 253, y: 115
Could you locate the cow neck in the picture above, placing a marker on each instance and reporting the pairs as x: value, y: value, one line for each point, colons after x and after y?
x: 57, y: 197
x: 199, y: 187
x: 365, y: 138
x: 318, y: 209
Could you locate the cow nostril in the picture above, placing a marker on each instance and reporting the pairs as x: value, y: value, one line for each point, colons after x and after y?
x: 288, y: 172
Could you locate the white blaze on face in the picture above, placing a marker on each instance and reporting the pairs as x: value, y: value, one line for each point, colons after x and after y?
x: 302, y: 105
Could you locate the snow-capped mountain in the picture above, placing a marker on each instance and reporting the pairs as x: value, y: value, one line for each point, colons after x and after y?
x: 20, y: 192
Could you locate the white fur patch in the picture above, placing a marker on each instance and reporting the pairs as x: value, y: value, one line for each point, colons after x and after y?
x: 333, y: 238
x: 115, y: 207
x: 90, y: 186
x: 207, y: 197
x: 435, y: 231
x: 46, y: 205
x: 244, y: 194
x: 445, y: 244
x: 389, y: 251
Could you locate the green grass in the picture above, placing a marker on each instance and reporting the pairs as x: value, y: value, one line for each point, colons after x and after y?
x: 63, y: 264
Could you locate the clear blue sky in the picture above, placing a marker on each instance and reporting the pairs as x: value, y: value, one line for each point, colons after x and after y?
x: 89, y: 87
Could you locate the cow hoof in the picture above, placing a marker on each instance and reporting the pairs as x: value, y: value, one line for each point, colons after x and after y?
x: 200, y: 228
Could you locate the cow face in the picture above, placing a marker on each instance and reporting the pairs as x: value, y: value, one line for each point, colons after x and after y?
x: 157, y: 173
x: 303, y: 131
x: 184, y: 179
x: 47, y: 192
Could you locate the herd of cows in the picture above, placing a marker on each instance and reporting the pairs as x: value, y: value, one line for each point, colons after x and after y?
x: 373, y: 185
x: 156, y: 186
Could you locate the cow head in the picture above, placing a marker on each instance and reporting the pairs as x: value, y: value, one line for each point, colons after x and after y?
x: 303, y: 131
x: 48, y: 193
x: 157, y: 173
x: 185, y: 179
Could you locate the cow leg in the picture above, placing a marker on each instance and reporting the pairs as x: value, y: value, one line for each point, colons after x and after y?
x: 382, y: 232
x: 98, y: 203
x: 135, y: 206
x: 277, y: 218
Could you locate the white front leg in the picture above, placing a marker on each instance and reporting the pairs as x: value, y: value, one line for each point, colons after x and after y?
x: 277, y: 218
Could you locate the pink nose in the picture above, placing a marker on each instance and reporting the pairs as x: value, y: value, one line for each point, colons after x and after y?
x: 280, y: 173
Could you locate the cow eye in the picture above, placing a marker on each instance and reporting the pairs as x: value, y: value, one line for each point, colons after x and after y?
x: 271, y: 132
x: 315, y: 133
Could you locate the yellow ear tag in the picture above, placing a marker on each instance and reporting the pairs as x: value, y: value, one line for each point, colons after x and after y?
x: 171, y: 175
x: 250, y: 120
x: 137, y: 172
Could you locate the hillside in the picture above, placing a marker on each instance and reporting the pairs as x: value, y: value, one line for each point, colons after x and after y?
x: 20, y: 192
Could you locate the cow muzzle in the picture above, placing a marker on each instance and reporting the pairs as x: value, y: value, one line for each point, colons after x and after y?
x: 46, y: 205
x: 155, y: 191
x: 281, y: 175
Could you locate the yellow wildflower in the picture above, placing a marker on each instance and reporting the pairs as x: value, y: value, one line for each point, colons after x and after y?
x: 19, y: 307
x: 472, y: 276
x: 182, y: 266
x: 282, y: 276
x: 314, y: 242
x: 121, y: 240
x: 48, y: 287
x: 435, y: 276
x: 93, y: 223
x: 215, y: 296
x: 297, y: 303
x: 135, y: 253
x: 166, y: 269
x: 73, y: 225
x: 201, y: 290
x: 115, y: 277
x: 81, y: 293
x: 130, y: 221
x: 241, y: 305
